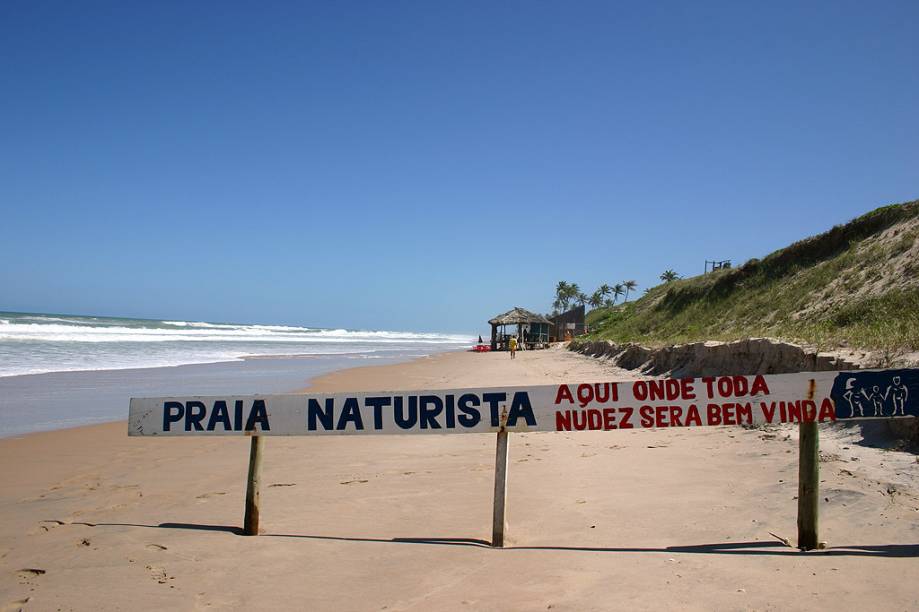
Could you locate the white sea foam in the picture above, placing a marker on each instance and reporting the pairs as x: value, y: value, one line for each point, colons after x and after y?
x: 32, y: 344
x: 249, y: 333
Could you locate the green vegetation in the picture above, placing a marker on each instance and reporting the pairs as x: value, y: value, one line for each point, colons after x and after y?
x: 567, y: 293
x: 669, y: 275
x: 856, y: 284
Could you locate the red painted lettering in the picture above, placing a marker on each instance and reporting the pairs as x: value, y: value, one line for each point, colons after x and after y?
x: 676, y: 414
x: 709, y: 382
x: 594, y: 419
x: 686, y: 388
x: 808, y: 411
x: 740, y: 385
x: 563, y: 420
x: 673, y: 389
x: 714, y: 414
x: 585, y: 394
x: 827, y: 410
x: 640, y: 390
x: 656, y: 388
x: 564, y: 393
x: 768, y: 410
x: 601, y: 392
x: 745, y: 413
x: 794, y: 411
x: 647, y: 416
x: 759, y: 386
x: 609, y: 418
x: 729, y: 413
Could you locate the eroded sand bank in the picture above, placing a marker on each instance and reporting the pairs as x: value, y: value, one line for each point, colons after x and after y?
x: 598, y: 520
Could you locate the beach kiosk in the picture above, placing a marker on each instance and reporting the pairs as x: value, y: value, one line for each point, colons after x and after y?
x: 532, y: 329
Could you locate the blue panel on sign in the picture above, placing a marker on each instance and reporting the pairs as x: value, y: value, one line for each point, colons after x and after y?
x: 876, y: 394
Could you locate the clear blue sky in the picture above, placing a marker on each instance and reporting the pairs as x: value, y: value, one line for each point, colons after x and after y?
x: 426, y: 165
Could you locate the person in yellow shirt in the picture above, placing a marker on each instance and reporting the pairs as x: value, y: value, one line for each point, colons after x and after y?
x: 512, y: 345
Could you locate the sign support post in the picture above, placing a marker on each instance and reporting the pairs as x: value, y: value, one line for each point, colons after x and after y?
x: 808, y: 485
x: 498, y: 522
x: 253, y: 486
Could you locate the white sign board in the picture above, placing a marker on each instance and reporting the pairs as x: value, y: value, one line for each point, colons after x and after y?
x: 668, y: 402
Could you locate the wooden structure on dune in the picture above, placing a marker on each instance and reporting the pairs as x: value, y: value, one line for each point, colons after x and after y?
x: 532, y: 329
x: 568, y: 324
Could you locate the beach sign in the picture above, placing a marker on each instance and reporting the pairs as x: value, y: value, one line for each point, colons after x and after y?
x: 806, y: 399
x: 640, y: 404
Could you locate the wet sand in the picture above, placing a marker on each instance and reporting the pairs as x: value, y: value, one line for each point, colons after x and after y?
x: 597, y: 520
x: 41, y: 402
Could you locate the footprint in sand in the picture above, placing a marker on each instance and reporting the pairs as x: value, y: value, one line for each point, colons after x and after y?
x: 205, y: 496
x: 155, y: 547
x: 16, y: 605
x: 44, y: 495
x: 125, y: 486
x: 158, y: 574
x: 46, y: 526
x: 29, y: 574
x: 347, y: 482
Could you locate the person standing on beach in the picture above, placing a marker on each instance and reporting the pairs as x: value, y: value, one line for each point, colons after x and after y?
x: 512, y: 346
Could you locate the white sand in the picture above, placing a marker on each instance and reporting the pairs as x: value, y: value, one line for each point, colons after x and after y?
x: 597, y: 520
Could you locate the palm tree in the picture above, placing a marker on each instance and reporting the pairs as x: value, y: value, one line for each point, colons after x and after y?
x: 605, y: 290
x: 562, y: 295
x: 581, y: 298
x: 573, y: 292
x: 596, y: 299
x: 617, y: 291
x: 556, y: 306
x: 669, y: 276
x: 629, y: 286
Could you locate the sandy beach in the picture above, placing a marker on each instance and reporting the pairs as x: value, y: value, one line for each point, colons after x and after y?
x: 652, y: 519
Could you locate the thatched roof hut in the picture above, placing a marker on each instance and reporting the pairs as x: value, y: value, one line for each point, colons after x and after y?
x: 532, y: 328
x: 518, y: 315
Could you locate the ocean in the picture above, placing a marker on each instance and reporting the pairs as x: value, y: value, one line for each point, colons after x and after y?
x: 62, y: 370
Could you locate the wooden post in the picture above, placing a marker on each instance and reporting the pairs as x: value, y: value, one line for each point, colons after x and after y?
x: 498, y: 518
x: 253, y: 486
x: 808, y: 485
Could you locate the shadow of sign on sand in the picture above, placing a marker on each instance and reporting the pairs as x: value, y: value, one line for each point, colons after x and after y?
x: 754, y: 548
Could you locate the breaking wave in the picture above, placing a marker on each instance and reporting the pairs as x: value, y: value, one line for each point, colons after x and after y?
x: 43, y: 343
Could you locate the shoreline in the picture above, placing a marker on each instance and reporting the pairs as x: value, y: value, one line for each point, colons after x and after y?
x: 320, y: 383
x: 241, y: 358
x: 36, y: 403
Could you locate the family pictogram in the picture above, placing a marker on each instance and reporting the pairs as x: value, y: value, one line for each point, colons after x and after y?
x: 870, y: 400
